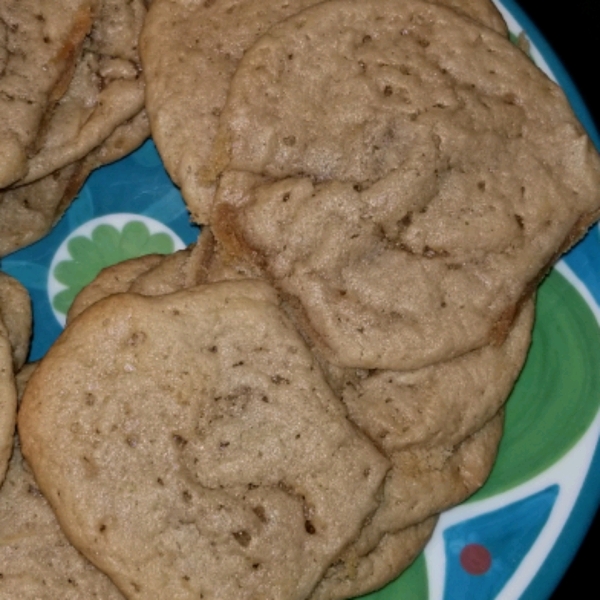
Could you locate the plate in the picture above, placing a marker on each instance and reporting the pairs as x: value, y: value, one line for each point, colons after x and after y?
x: 516, y: 536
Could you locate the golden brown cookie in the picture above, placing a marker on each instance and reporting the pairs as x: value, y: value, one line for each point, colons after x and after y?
x: 207, y: 454
x: 37, y: 560
x: 196, y: 46
x: 8, y: 401
x: 15, y: 333
x: 408, y: 194
x: 40, y: 42
x: 106, y: 90
x: 28, y: 212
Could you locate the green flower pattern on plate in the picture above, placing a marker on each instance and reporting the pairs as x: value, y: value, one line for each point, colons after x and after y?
x: 557, y: 395
x: 107, y: 246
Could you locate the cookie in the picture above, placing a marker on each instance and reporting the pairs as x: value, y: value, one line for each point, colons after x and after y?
x: 438, y: 405
x: 425, y: 153
x: 37, y: 560
x: 106, y: 90
x: 8, y: 401
x: 359, y: 576
x: 40, y: 41
x: 200, y: 432
x: 149, y: 275
x: 15, y: 313
x: 15, y: 333
x: 197, y: 46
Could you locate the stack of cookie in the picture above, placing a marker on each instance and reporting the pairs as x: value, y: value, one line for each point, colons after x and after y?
x: 438, y: 426
x: 404, y: 177
x: 72, y: 99
x: 282, y: 410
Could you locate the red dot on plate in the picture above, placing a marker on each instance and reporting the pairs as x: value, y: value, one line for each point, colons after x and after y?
x: 475, y: 559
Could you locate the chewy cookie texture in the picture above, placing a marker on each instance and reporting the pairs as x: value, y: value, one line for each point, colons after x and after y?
x: 243, y: 454
x: 37, y: 561
x: 436, y: 462
x: 198, y: 45
x: 72, y: 99
x: 468, y: 175
x: 15, y: 331
x: 282, y: 409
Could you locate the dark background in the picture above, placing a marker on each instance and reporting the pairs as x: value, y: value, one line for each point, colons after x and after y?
x: 572, y: 29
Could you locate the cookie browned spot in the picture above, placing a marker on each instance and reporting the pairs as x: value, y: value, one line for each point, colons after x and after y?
x: 207, y: 455
x: 190, y: 52
x: 410, y: 192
